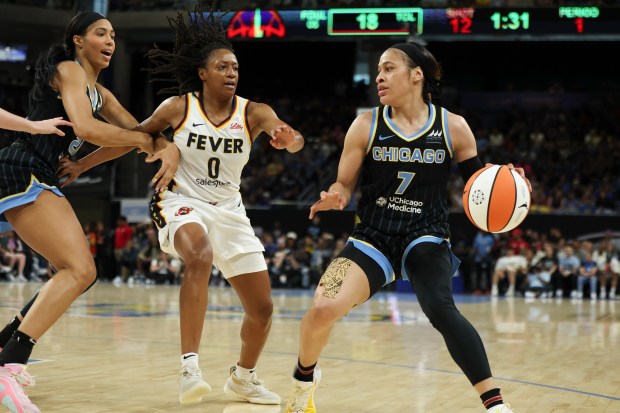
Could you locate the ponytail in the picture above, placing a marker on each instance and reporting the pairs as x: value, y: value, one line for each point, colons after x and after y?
x: 47, y: 63
x: 45, y: 70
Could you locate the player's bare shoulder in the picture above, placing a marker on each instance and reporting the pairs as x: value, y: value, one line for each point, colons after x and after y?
x: 174, y: 103
x: 173, y: 108
x: 456, y: 123
x: 170, y: 112
x: 69, y: 71
x: 257, y: 110
x: 463, y: 140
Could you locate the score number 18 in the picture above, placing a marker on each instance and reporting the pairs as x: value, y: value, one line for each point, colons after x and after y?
x: 368, y: 21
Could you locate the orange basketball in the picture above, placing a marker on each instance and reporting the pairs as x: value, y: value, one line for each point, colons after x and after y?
x: 496, y: 199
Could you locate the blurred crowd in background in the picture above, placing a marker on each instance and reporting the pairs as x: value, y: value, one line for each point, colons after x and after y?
x: 528, y: 263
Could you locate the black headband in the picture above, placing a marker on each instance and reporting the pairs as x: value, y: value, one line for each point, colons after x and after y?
x: 83, y: 21
x: 416, y: 54
x: 413, y: 51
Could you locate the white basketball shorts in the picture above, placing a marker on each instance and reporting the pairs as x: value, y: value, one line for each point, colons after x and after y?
x: 236, y: 249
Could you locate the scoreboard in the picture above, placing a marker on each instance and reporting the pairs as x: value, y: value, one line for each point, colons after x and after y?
x: 468, y: 23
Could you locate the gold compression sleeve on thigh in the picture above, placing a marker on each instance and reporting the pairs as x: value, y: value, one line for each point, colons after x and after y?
x: 334, y: 275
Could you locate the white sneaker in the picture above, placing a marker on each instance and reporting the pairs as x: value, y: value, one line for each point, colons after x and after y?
x: 494, y: 291
x: 301, y: 399
x: 192, y: 387
x: 502, y: 408
x: 252, y: 390
x: 21, y: 279
x: 559, y: 294
x: 593, y: 296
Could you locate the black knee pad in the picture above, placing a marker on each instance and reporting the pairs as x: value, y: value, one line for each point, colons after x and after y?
x: 430, y: 269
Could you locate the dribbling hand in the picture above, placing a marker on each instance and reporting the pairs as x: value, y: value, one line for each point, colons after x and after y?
x: 521, y: 172
x: 329, y: 200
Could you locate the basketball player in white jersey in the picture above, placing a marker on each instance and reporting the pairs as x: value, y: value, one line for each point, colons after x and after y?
x: 200, y: 215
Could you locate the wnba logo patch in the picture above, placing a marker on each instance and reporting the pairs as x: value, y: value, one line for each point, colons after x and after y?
x: 183, y: 211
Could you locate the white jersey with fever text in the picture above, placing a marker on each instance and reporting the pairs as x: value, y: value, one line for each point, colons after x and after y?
x: 212, y: 156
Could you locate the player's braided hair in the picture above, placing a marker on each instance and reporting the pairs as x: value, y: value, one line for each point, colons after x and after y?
x: 194, y: 42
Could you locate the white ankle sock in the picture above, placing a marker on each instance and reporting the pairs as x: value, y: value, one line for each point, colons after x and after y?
x: 189, y: 360
x: 243, y: 373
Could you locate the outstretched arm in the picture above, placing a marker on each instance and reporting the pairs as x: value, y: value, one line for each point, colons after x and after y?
x: 17, y: 123
x: 263, y: 118
x: 71, y: 83
x: 169, y: 112
x: 72, y: 169
x: 339, y: 193
x: 117, y: 115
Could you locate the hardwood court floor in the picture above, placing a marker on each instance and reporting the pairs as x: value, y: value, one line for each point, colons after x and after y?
x: 117, y: 350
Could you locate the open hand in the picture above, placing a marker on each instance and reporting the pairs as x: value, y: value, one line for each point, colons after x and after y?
x: 49, y: 126
x: 328, y: 200
x: 282, y: 136
x: 169, y: 157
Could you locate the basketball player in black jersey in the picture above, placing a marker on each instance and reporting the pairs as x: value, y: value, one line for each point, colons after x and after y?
x: 13, y: 122
x: 401, y: 153
x: 30, y: 200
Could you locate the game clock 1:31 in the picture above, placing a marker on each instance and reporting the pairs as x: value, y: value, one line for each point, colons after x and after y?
x: 511, y: 20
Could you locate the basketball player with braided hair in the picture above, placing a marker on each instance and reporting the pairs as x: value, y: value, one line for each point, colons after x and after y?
x: 401, y: 152
x: 200, y: 215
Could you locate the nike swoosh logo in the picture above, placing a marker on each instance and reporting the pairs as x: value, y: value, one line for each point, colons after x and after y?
x: 523, y: 206
x: 197, y: 124
x: 186, y: 357
x: 382, y: 138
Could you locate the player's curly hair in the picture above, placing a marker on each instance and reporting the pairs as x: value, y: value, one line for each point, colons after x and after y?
x: 193, y: 44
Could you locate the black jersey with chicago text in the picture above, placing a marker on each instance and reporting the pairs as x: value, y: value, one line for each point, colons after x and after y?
x: 404, y: 178
x: 38, y: 155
